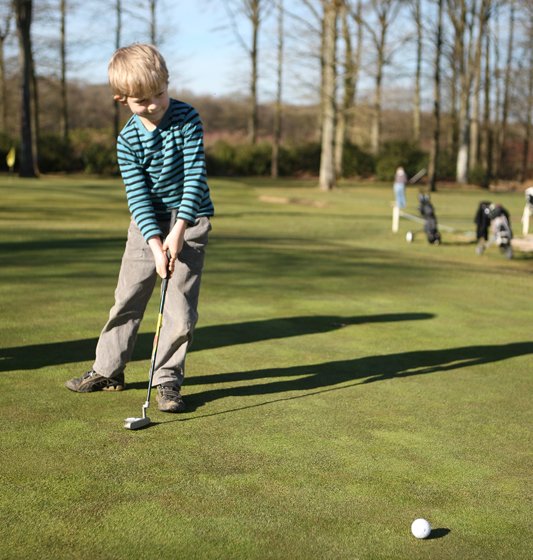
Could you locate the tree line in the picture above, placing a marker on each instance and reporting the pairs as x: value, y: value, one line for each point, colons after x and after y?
x: 462, y: 69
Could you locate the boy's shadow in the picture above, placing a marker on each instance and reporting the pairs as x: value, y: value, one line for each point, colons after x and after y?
x: 36, y: 356
x: 326, y: 376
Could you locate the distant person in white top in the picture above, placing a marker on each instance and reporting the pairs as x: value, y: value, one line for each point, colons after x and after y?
x: 400, y: 179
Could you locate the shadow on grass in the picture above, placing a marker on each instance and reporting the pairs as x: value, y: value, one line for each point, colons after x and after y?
x: 206, y: 338
x: 438, y: 533
x: 332, y: 376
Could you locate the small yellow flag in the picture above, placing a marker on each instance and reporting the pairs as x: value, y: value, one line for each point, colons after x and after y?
x: 10, y: 158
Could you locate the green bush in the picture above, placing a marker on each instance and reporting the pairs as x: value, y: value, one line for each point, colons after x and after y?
x: 396, y: 153
x: 356, y: 162
x: 100, y: 160
x: 220, y: 159
x: 226, y: 159
x: 56, y: 154
x: 254, y: 160
x: 477, y: 176
x: 303, y: 159
x: 446, y: 166
x: 96, y: 150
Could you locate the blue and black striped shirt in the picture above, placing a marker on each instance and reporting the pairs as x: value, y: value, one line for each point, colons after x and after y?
x: 164, y: 168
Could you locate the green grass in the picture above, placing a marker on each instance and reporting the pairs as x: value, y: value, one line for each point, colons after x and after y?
x: 342, y: 383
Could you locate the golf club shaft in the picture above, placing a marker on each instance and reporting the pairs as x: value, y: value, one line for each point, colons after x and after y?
x: 164, y: 285
x: 418, y: 176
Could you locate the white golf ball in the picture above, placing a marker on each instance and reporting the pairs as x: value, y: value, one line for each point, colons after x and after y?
x: 421, y: 528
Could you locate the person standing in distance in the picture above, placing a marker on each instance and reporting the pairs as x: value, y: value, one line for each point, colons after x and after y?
x: 400, y: 180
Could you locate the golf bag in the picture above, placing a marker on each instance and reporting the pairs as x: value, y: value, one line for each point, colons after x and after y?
x: 495, y: 217
x: 501, y: 228
x: 427, y: 211
x: 482, y: 220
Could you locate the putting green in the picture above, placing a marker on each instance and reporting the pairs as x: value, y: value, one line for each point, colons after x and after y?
x: 342, y: 383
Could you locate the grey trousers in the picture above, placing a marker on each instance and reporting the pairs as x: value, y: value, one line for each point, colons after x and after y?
x: 136, y: 282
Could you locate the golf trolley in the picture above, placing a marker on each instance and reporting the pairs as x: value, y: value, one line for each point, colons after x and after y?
x: 495, y: 217
x: 428, y: 219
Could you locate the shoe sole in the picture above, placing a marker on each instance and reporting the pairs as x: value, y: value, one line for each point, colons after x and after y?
x: 175, y: 408
x: 114, y: 389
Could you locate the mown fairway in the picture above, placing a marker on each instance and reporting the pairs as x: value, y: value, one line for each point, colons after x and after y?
x: 343, y: 382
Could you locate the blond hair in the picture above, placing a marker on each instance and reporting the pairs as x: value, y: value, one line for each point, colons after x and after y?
x: 137, y: 71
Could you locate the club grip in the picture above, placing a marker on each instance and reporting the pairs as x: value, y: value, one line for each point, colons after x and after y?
x: 173, y: 218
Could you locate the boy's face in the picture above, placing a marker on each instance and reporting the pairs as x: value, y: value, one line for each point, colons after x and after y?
x: 151, y: 108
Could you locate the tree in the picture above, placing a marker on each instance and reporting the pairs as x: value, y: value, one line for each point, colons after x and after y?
x: 255, y: 12
x: 23, y: 14
x: 417, y: 17
x: 529, y: 98
x: 118, y: 34
x: 435, y: 141
x: 276, y: 136
x: 385, y: 12
x: 468, y: 53
x: 63, y: 79
x: 327, y: 161
x: 4, y: 33
x: 153, y: 22
x: 506, y: 93
x: 483, y: 17
x: 350, y: 76
x: 486, y: 138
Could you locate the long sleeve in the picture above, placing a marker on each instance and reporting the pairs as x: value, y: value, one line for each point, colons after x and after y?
x: 165, y: 169
x: 137, y: 189
x: 195, y: 180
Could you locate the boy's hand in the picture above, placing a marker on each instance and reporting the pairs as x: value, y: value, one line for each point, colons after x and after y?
x: 174, y: 242
x: 161, y: 261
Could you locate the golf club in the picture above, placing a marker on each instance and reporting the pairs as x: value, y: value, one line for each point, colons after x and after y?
x: 418, y: 176
x: 144, y: 420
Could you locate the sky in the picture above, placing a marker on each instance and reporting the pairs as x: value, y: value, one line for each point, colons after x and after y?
x: 202, y: 51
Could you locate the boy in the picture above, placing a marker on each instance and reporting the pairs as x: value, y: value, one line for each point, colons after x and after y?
x: 161, y: 158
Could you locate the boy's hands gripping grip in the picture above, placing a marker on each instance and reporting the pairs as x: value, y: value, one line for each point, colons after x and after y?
x: 166, y: 252
x: 173, y: 243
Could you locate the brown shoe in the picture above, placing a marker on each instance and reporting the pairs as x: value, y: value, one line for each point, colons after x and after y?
x: 92, y: 381
x: 169, y: 398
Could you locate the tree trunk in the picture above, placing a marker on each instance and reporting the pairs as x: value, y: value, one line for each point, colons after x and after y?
x: 459, y: 22
x: 118, y: 32
x: 347, y: 94
x: 453, y: 129
x: 253, y: 113
x: 434, y: 153
x: 483, y: 17
x: 3, y: 86
x: 63, y: 56
x: 153, y: 26
x: 529, y: 107
x: 375, y: 131
x: 495, y: 160
x: 327, y: 162
x: 23, y: 11
x: 418, y: 72
x: 487, y: 146
x: 35, y: 114
x: 276, y: 136
x: 506, y: 93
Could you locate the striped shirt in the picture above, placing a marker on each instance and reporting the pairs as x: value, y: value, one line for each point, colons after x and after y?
x: 164, y: 168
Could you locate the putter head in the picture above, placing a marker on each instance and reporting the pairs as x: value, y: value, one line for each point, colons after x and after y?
x: 136, y: 423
